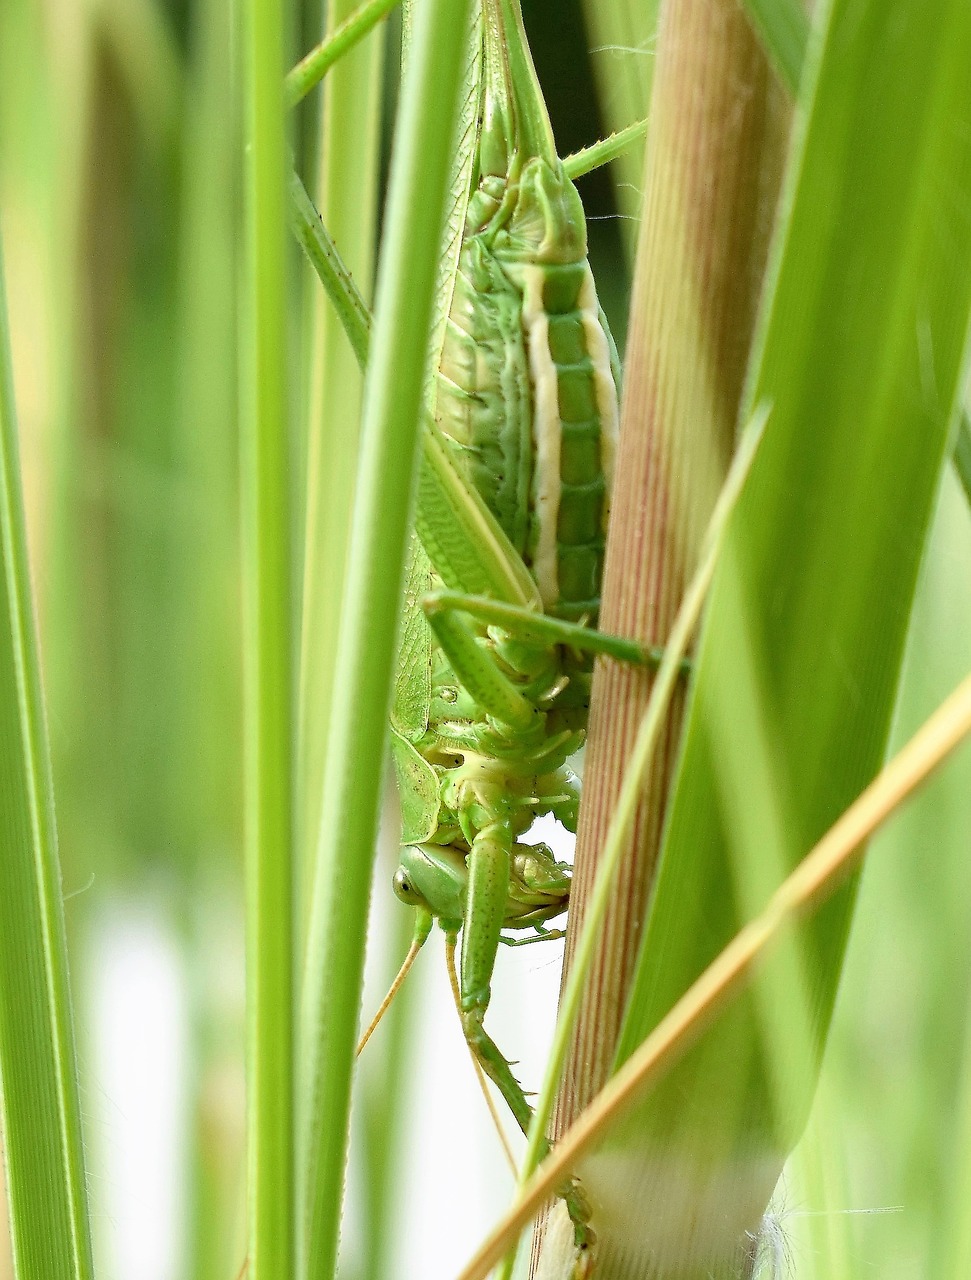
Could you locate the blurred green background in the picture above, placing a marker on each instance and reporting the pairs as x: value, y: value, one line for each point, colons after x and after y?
x: 119, y: 208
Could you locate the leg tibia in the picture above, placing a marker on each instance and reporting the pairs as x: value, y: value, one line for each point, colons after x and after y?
x: 495, y: 1066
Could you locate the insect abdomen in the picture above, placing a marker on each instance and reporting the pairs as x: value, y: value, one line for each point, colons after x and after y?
x: 527, y: 394
x: 574, y: 435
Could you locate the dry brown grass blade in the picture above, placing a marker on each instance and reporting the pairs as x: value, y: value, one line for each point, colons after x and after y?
x: 819, y: 873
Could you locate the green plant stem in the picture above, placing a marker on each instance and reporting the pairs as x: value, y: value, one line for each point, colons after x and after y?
x: 267, y: 648
x: 39, y: 1107
x: 356, y: 745
x: 312, y: 68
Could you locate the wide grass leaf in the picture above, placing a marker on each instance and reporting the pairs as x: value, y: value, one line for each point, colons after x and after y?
x: 39, y: 1105
x: 861, y: 360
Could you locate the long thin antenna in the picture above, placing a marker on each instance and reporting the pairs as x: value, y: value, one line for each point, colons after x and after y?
x: 393, y: 990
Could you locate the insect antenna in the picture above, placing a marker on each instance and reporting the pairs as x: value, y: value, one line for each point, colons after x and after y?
x: 385, y: 1005
x: 479, y: 1073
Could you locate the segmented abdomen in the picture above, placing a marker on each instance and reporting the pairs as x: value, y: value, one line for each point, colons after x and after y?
x: 528, y: 395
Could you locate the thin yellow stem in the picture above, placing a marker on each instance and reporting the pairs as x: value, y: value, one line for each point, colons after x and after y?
x: 816, y: 876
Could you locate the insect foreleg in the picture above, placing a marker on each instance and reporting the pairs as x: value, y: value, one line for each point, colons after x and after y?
x: 453, y: 979
x: 489, y: 869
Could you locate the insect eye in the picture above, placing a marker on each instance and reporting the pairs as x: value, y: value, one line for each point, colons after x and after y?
x: 404, y: 889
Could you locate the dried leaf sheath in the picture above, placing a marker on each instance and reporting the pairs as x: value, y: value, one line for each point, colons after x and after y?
x: 713, y: 163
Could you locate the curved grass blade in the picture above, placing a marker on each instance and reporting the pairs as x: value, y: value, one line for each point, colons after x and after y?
x: 329, y: 266
x: 39, y: 1106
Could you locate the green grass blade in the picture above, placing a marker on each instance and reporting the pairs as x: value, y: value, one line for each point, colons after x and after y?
x: 204, y: 634
x: 268, y: 646
x: 622, y: 35
x: 862, y: 358
x: 347, y: 193
x: 38, y: 1077
x: 601, y: 153
x: 358, y: 731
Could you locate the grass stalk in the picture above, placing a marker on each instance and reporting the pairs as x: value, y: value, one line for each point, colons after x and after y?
x: 268, y: 618
x: 694, y: 304
x: 347, y: 197
x: 357, y: 734
x: 39, y: 1103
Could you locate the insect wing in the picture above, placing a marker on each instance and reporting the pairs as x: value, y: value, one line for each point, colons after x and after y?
x: 418, y: 791
x: 418, y: 787
x: 413, y: 678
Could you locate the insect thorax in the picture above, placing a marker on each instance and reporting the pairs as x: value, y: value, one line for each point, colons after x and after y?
x: 527, y: 387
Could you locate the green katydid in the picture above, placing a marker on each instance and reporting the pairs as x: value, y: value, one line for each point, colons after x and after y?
x: 492, y: 691
x: 492, y: 695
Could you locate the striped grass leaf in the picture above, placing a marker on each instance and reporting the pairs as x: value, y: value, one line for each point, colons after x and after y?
x: 354, y: 769
x: 268, y: 679
x: 345, y: 182
x: 346, y: 192
x: 880, y: 1133
x: 39, y: 1102
x: 860, y: 356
